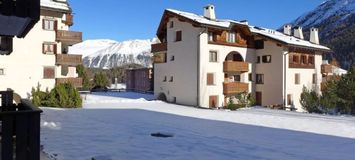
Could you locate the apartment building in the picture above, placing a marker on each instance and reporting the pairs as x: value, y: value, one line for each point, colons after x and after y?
x: 203, y: 61
x: 42, y: 56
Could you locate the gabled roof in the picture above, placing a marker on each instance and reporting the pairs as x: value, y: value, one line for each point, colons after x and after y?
x: 61, y: 5
x: 201, y: 21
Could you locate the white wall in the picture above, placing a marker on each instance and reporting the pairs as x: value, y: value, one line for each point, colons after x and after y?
x: 217, y: 68
x: 183, y: 68
x: 272, y: 87
x: 24, y: 66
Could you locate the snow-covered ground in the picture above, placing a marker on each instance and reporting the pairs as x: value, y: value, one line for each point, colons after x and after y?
x: 119, y: 125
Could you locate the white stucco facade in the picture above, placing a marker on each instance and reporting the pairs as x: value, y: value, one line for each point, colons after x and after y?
x: 24, y: 67
x: 192, y: 69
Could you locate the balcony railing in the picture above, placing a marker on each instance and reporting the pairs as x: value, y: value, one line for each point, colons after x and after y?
x: 326, y: 68
x: 68, y: 59
x: 76, y: 82
x: 234, y: 66
x: 159, y: 47
x: 69, y: 37
x: 235, y: 88
x: 20, y: 129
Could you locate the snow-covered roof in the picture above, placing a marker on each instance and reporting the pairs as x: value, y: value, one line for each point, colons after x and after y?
x: 269, y: 33
x: 56, y: 4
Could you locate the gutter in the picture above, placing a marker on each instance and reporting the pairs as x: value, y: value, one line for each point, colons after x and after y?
x: 199, y: 66
x: 284, y: 80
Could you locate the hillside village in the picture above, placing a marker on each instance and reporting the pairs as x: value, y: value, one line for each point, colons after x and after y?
x: 63, y: 97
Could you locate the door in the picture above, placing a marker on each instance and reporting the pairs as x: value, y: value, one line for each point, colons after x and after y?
x: 258, y: 97
x: 213, y: 101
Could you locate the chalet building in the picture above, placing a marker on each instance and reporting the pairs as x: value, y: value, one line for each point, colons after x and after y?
x: 42, y: 56
x: 139, y: 80
x: 203, y: 61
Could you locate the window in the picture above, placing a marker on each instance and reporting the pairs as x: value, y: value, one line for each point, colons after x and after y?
x: 213, y: 101
x: 236, y: 78
x: 289, y: 99
x: 297, y: 78
x: 210, y: 79
x: 210, y: 36
x: 5, y: 45
x: 49, y: 24
x: 314, y: 78
x: 172, y: 58
x: 213, y: 56
x: 2, y: 71
x: 48, y: 72
x: 259, y: 44
x: 267, y: 59
x: 171, y: 24
x: 164, y: 80
x: 230, y: 37
x: 259, y: 78
x: 304, y: 59
x: 178, y: 36
x: 258, y: 59
x: 311, y: 60
x: 171, y: 79
x: 49, y: 48
x: 250, y: 77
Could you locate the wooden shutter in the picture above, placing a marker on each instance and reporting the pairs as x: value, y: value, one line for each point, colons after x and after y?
x: 43, y: 48
x: 55, y: 48
x: 55, y: 25
x: 48, y: 73
x: 210, y: 79
x: 43, y: 24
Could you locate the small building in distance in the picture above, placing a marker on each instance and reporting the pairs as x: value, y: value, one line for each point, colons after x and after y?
x: 139, y: 80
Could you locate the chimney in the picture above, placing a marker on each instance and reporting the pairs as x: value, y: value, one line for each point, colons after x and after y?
x: 298, y: 32
x: 314, y: 38
x: 287, y: 29
x: 209, y: 12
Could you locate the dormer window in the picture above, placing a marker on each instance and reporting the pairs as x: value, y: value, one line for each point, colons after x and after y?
x: 230, y: 37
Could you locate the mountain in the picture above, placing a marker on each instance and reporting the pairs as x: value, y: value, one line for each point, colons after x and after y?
x: 105, y: 54
x: 336, y: 22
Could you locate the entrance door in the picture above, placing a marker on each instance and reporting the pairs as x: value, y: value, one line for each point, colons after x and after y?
x: 213, y: 101
x: 258, y: 97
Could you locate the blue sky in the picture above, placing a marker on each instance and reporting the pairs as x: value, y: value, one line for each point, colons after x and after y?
x: 138, y: 19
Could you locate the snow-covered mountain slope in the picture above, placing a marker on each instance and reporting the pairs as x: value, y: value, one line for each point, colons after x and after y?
x: 336, y: 22
x: 327, y: 9
x: 109, y: 53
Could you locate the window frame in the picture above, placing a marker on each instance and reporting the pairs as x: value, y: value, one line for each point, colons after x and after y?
x: 257, y: 81
x: 44, y: 72
x: 213, y: 80
x: 178, y: 36
x: 211, y: 56
x: 265, y: 60
x: 47, y: 27
x: 297, y: 78
x: 230, y: 38
x: 2, y: 71
x: 45, y: 46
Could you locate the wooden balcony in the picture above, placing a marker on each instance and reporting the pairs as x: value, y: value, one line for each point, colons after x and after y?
x: 159, y: 47
x: 235, y: 66
x: 68, y: 59
x: 76, y: 82
x: 235, y: 88
x: 68, y: 19
x: 69, y: 37
x: 326, y: 68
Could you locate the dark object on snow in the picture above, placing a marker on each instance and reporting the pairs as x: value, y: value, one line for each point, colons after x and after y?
x: 99, y: 89
x: 162, y: 135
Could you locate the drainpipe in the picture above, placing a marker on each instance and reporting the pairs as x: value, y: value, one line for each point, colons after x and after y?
x: 199, y: 66
x: 285, y: 53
